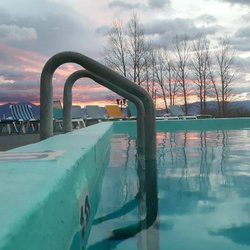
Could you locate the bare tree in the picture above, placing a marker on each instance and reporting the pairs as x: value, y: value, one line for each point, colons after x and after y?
x: 212, y: 79
x: 160, y: 72
x: 115, y: 54
x: 147, y: 74
x: 181, y: 52
x: 200, y: 68
x: 224, y: 58
x: 138, y: 50
x: 171, y: 84
x: 127, y: 51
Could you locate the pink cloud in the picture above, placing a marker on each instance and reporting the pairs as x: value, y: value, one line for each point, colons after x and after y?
x: 20, y: 79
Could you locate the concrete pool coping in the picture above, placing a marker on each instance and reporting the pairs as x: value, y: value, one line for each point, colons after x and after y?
x: 42, y: 184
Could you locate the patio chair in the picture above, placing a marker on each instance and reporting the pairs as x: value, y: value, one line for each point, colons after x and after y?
x: 167, y: 116
x: 77, y: 117
x: 132, y: 110
x: 94, y: 114
x: 8, y: 125
x: 77, y: 122
x: 114, y: 112
x: 57, y: 115
x: 176, y: 110
x: 22, y: 113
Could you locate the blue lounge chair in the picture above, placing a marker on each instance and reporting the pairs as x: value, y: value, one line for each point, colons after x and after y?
x: 177, y: 111
x: 132, y: 110
x: 94, y: 114
x: 77, y: 117
x: 22, y: 113
x: 9, y: 125
x: 77, y: 122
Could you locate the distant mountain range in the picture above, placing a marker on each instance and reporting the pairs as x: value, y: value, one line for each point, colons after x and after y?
x: 193, y: 108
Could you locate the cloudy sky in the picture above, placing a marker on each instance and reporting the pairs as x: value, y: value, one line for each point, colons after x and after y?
x: 31, y: 31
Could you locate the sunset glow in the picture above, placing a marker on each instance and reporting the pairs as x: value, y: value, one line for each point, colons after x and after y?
x: 30, y: 35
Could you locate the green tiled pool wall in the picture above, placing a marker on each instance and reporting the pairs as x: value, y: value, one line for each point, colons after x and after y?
x: 43, y: 201
x: 204, y: 124
x: 189, y: 124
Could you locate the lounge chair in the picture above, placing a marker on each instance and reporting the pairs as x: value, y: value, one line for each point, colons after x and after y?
x: 22, y: 113
x: 94, y: 114
x: 114, y: 112
x: 177, y: 111
x: 132, y: 110
x: 8, y: 125
x: 167, y: 116
x: 77, y: 117
x: 57, y: 115
x: 77, y: 122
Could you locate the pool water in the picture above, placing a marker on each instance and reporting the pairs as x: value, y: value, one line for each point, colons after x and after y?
x: 203, y: 192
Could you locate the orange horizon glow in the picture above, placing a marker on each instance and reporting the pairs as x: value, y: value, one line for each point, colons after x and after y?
x: 82, y: 104
x: 85, y: 92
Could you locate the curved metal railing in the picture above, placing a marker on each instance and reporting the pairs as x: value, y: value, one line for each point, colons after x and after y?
x: 118, y: 81
x: 46, y: 97
x: 67, y: 104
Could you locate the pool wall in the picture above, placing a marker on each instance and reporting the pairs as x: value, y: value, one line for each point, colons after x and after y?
x: 49, y: 202
x: 188, y: 124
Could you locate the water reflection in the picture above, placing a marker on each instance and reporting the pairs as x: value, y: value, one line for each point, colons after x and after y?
x: 203, y: 192
x: 238, y: 234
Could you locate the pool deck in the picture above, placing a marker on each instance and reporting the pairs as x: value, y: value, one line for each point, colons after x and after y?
x: 8, y: 142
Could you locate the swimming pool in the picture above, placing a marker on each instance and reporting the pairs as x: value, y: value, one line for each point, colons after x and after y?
x: 203, y: 188
x: 50, y: 191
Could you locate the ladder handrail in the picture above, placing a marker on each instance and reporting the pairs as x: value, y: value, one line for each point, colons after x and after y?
x: 102, y: 71
x: 67, y: 104
x: 46, y: 115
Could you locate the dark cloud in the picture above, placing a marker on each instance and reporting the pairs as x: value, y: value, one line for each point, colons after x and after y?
x: 243, y: 32
x: 158, y: 3
x: 17, y: 75
x: 243, y: 2
x: 16, y: 33
x: 123, y: 5
x: 56, y: 32
x: 103, y: 30
x: 242, y: 64
x: 175, y: 26
x: 246, y: 17
x: 20, y: 91
x: 208, y: 19
x: 48, y: 31
x: 241, y: 39
x: 163, y: 31
x: 241, y: 44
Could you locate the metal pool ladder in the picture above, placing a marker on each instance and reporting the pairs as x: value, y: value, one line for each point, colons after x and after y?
x: 124, y: 87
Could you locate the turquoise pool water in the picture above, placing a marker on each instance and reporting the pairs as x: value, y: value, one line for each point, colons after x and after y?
x: 203, y: 193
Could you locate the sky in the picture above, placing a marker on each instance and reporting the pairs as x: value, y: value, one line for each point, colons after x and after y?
x: 31, y: 31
